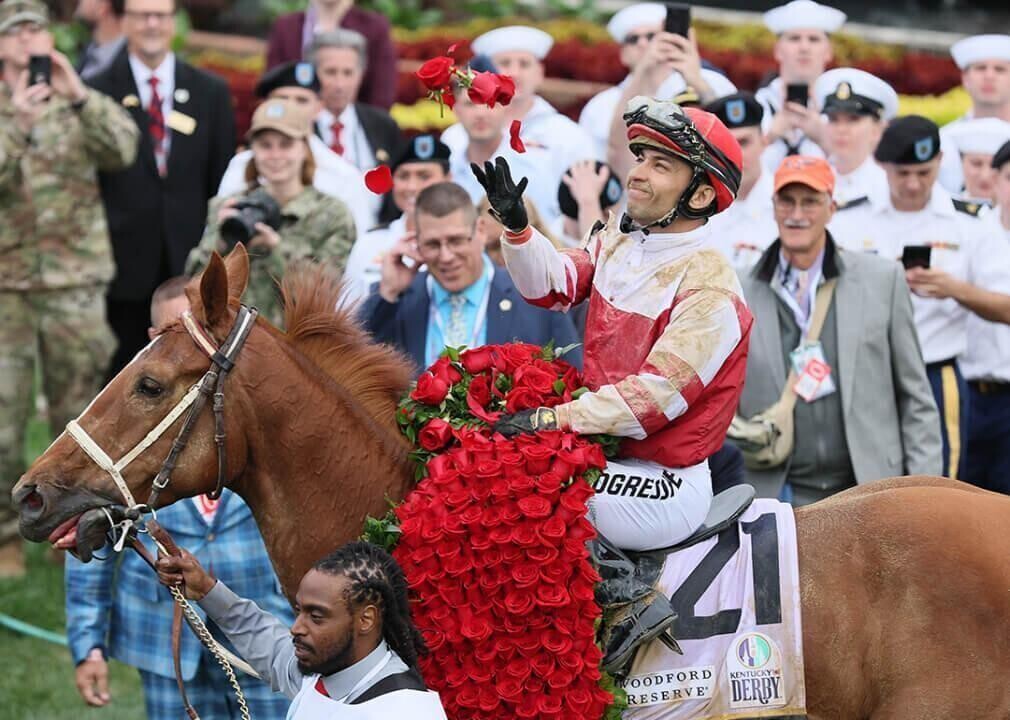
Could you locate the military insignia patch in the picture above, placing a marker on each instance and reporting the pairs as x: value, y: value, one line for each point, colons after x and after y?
x: 612, y: 191
x: 844, y: 91
x: 304, y: 74
x: 736, y: 111
x: 924, y: 149
x: 424, y: 147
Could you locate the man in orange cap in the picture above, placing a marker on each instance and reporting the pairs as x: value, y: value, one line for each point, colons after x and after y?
x: 863, y: 406
x: 665, y: 340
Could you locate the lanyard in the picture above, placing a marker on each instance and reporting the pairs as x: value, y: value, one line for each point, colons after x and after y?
x: 371, y: 674
x: 787, y: 297
x: 435, y: 315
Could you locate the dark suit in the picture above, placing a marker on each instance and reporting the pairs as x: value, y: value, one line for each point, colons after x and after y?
x: 509, y: 318
x: 383, y: 135
x: 154, y: 222
x: 378, y: 87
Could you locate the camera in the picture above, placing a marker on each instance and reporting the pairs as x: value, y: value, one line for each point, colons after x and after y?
x: 258, y: 206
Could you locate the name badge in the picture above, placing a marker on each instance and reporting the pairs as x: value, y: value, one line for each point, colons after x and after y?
x: 181, y: 122
x: 813, y: 372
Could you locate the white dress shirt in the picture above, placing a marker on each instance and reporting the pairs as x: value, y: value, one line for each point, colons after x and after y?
x: 357, y: 151
x: 988, y: 354
x: 961, y: 245
x: 744, y: 230
x: 868, y: 180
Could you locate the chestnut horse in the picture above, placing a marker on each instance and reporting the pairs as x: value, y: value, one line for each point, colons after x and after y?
x: 905, y: 583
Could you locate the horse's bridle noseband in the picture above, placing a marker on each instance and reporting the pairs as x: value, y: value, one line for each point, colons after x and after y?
x: 222, y: 360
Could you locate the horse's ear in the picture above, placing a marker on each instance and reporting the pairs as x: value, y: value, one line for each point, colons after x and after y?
x: 237, y: 263
x: 214, y: 292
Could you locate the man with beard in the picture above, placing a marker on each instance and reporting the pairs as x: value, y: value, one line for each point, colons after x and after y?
x: 352, y: 650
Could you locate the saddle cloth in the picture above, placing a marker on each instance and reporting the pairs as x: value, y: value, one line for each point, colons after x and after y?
x: 738, y: 601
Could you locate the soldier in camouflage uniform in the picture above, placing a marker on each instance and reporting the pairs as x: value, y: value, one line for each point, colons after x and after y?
x: 315, y: 227
x: 55, y: 255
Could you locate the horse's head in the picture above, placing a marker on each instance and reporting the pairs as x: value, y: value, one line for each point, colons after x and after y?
x: 60, y: 497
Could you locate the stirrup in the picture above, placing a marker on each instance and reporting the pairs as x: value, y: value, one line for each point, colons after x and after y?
x: 645, y: 622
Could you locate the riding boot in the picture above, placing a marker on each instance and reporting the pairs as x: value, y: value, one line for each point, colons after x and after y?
x: 625, y: 593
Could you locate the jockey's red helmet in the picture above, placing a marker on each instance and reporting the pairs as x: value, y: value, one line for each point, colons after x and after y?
x: 696, y: 136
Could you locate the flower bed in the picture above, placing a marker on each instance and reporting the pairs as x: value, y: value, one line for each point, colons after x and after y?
x: 493, y: 541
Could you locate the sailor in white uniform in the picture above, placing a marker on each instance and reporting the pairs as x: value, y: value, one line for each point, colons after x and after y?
x: 352, y: 651
x: 634, y: 27
x: 744, y: 231
x: 986, y: 366
x: 422, y: 162
x: 974, y: 142
x: 519, y: 51
x: 858, y: 106
x: 985, y: 73
x: 802, y: 50
x: 954, y: 267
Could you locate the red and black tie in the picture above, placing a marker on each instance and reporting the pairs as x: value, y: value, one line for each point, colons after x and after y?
x: 337, y: 146
x: 156, y: 126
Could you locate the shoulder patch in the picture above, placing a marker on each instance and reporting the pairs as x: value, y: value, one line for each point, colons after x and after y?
x: 855, y: 202
x: 968, y: 208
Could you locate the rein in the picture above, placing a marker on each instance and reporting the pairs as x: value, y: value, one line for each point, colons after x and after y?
x: 211, y: 385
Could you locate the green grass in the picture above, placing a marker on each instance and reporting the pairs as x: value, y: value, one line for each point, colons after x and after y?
x: 37, y: 682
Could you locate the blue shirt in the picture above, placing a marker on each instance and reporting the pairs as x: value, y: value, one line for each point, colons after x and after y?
x: 474, y: 310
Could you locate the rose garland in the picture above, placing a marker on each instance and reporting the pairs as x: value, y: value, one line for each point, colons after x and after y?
x: 493, y: 540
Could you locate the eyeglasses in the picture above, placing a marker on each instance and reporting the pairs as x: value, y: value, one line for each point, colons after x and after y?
x: 806, y: 205
x: 147, y: 17
x: 633, y: 38
x: 431, y: 249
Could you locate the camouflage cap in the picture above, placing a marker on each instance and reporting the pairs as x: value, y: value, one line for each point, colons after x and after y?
x: 284, y: 116
x: 15, y: 12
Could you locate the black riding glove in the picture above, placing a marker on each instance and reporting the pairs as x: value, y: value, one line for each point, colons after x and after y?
x: 527, y: 422
x: 505, y: 197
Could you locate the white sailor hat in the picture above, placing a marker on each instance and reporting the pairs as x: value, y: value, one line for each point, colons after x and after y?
x: 980, y: 47
x: 627, y: 19
x: 857, y: 92
x: 981, y: 135
x: 675, y: 84
x: 513, y: 38
x: 802, y: 15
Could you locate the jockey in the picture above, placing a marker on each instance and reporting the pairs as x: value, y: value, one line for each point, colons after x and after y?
x: 665, y: 343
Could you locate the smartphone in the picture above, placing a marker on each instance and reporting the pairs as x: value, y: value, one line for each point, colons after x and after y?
x: 40, y: 70
x: 678, y: 19
x: 798, y: 93
x: 916, y: 256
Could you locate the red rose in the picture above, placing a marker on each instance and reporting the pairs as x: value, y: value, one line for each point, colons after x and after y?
x: 538, y: 458
x: 484, y: 89
x: 436, y: 73
x: 535, y: 507
x: 443, y: 369
x: 430, y: 390
x: 553, y: 530
x: 477, y: 360
x: 435, y: 434
x: 448, y: 98
x: 522, y: 398
x: 509, y: 688
x: 548, y: 484
x: 519, y: 354
x: 506, y: 89
x: 534, y: 378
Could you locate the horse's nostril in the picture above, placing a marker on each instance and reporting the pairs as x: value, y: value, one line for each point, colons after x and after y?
x: 33, y: 500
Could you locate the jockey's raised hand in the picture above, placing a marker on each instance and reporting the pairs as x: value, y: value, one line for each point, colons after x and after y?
x: 504, y: 196
x: 527, y: 422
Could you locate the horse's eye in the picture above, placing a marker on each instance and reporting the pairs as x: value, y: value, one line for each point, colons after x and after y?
x: 149, y: 387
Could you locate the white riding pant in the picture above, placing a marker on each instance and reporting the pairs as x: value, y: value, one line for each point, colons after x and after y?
x: 641, y: 505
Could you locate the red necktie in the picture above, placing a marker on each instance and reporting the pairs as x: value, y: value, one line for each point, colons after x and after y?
x: 337, y: 146
x: 156, y: 125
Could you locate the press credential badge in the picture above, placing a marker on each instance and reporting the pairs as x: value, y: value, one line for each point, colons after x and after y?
x: 813, y: 372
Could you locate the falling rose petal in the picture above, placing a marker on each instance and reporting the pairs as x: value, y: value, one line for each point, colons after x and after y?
x: 484, y: 89
x: 452, y: 49
x: 379, y: 180
x: 514, y: 140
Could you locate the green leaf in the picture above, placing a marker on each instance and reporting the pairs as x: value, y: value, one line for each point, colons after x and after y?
x: 559, y: 386
x: 579, y: 392
x: 548, y: 351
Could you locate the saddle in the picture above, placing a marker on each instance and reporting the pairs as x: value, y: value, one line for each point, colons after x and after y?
x: 634, y: 611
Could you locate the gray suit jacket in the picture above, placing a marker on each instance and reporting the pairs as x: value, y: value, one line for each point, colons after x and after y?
x: 891, y: 422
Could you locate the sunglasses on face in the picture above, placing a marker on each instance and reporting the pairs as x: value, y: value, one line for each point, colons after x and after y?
x: 633, y: 38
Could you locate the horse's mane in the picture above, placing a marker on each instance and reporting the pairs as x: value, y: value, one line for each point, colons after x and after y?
x: 325, y: 331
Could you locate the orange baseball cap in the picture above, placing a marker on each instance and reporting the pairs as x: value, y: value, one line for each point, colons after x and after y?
x: 810, y: 171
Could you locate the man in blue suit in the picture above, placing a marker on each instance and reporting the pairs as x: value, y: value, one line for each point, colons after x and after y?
x: 462, y: 299
x: 117, y: 608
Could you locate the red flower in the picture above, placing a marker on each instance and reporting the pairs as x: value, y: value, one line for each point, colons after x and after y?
x: 484, y: 89
x: 522, y: 398
x: 445, y: 370
x: 535, y: 506
x: 516, y: 142
x: 477, y: 360
x: 538, y: 459
x: 449, y: 98
x: 435, y: 434
x: 436, y: 73
x: 506, y: 89
x: 430, y: 390
x: 535, y: 378
x: 379, y: 180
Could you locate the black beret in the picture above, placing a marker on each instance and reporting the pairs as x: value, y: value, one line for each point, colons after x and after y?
x: 909, y: 140
x: 291, y: 74
x: 1002, y: 156
x: 423, y: 148
x: 740, y: 109
x: 609, y: 195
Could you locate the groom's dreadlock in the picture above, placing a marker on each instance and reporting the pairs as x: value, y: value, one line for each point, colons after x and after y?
x: 375, y: 577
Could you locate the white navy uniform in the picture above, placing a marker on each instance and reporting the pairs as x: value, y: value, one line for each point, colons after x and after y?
x: 364, y: 264
x: 868, y: 180
x: 983, y: 136
x: 352, y: 693
x: 988, y: 354
x: 771, y: 97
x: 961, y: 246
x: 334, y: 176
x: 744, y: 230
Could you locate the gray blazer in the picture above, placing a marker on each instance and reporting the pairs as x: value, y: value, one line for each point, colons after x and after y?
x: 891, y: 422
